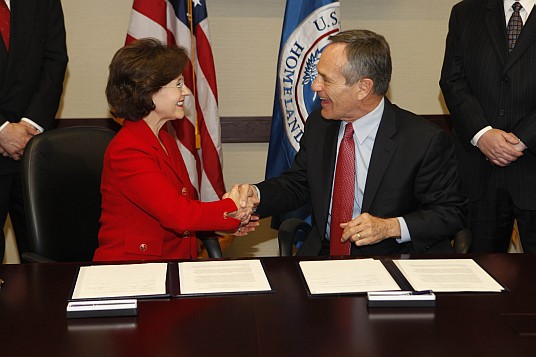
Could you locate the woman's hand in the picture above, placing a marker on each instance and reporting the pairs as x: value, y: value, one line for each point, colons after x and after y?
x: 244, y: 209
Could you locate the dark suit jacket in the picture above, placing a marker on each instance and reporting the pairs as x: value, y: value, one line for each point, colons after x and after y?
x: 149, y: 209
x: 485, y: 85
x: 31, y: 76
x: 412, y: 173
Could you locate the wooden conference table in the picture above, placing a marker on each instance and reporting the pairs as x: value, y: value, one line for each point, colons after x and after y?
x: 286, y: 322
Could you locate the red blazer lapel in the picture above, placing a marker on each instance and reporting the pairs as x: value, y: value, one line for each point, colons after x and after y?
x: 176, y: 163
x: 171, y: 162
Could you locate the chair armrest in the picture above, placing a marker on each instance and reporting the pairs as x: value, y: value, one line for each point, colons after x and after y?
x: 28, y: 257
x: 212, y: 245
x: 287, y: 233
x: 462, y: 241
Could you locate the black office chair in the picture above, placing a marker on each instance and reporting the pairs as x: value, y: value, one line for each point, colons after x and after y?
x: 61, y: 175
x: 462, y: 241
x: 292, y: 229
x: 212, y: 245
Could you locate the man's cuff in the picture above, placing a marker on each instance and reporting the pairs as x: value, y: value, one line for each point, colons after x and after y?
x: 4, y: 125
x: 474, y: 140
x: 404, y: 231
x: 37, y: 126
x: 258, y: 192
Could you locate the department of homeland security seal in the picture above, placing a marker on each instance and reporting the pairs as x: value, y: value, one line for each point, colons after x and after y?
x: 297, y: 68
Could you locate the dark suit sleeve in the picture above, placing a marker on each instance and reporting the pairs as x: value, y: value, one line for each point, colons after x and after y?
x: 45, y: 100
x: 462, y: 103
x: 290, y: 190
x: 526, y: 131
x: 442, y: 207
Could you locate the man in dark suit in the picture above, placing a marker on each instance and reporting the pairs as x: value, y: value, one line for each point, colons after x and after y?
x: 489, y: 84
x: 404, y: 185
x: 33, y: 59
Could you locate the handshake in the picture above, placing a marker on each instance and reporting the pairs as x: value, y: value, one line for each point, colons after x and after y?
x: 246, y: 199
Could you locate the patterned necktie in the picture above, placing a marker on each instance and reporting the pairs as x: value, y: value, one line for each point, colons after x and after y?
x: 5, y: 16
x: 343, y: 192
x: 515, y: 24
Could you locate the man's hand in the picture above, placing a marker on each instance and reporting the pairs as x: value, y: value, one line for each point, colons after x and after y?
x: 241, y: 213
x: 501, y: 148
x: 14, y: 137
x: 366, y: 229
x: 245, y: 199
x: 249, y: 227
x: 248, y: 195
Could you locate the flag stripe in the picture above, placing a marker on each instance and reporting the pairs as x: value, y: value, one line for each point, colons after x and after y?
x: 167, y: 20
x: 205, y: 59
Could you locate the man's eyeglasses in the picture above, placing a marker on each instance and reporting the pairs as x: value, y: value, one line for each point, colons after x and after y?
x: 179, y: 85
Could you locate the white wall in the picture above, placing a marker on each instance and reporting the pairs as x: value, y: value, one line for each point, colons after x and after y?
x: 245, y: 38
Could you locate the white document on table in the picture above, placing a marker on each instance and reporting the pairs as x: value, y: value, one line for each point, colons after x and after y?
x: 111, y: 281
x: 447, y: 275
x: 229, y: 276
x: 347, y: 276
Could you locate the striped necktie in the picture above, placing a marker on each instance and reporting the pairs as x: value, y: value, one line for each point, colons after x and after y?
x: 515, y: 24
x: 342, y: 205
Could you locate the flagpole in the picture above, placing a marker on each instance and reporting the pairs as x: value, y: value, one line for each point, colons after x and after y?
x: 194, y: 84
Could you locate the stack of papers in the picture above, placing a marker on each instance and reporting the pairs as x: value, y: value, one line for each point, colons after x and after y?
x: 217, y: 277
x: 347, y: 276
x: 447, y: 275
x: 119, y: 281
x: 365, y: 275
x: 100, y: 290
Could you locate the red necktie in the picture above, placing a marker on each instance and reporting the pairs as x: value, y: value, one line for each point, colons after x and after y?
x: 342, y: 205
x: 515, y: 24
x: 5, y: 16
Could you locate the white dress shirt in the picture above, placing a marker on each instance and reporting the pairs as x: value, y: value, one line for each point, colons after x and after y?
x: 365, y: 129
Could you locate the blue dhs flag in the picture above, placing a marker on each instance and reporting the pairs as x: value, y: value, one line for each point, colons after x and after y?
x: 306, y: 28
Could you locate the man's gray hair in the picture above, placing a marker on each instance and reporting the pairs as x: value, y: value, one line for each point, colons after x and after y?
x: 368, y: 56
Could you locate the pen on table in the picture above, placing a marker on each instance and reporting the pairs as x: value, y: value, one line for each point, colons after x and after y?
x: 403, y: 293
x: 418, y: 292
x: 421, y: 292
x: 100, y: 304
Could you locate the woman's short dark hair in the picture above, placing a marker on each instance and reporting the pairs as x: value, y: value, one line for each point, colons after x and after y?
x: 368, y: 56
x: 137, y: 71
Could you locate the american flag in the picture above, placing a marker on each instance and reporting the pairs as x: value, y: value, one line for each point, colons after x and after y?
x: 198, y: 135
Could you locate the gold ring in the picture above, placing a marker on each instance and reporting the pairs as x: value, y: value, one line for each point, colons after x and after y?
x: 358, y: 236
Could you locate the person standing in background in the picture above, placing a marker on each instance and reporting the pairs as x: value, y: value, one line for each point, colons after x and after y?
x: 33, y: 60
x: 488, y: 80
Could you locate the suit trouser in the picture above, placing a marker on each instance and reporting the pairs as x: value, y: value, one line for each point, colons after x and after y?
x: 491, y: 219
x: 11, y: 201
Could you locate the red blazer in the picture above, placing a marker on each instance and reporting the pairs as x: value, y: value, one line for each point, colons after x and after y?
x: 149, y: 210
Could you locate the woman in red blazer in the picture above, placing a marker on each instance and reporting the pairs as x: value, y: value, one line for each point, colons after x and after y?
x: 149, y: 211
